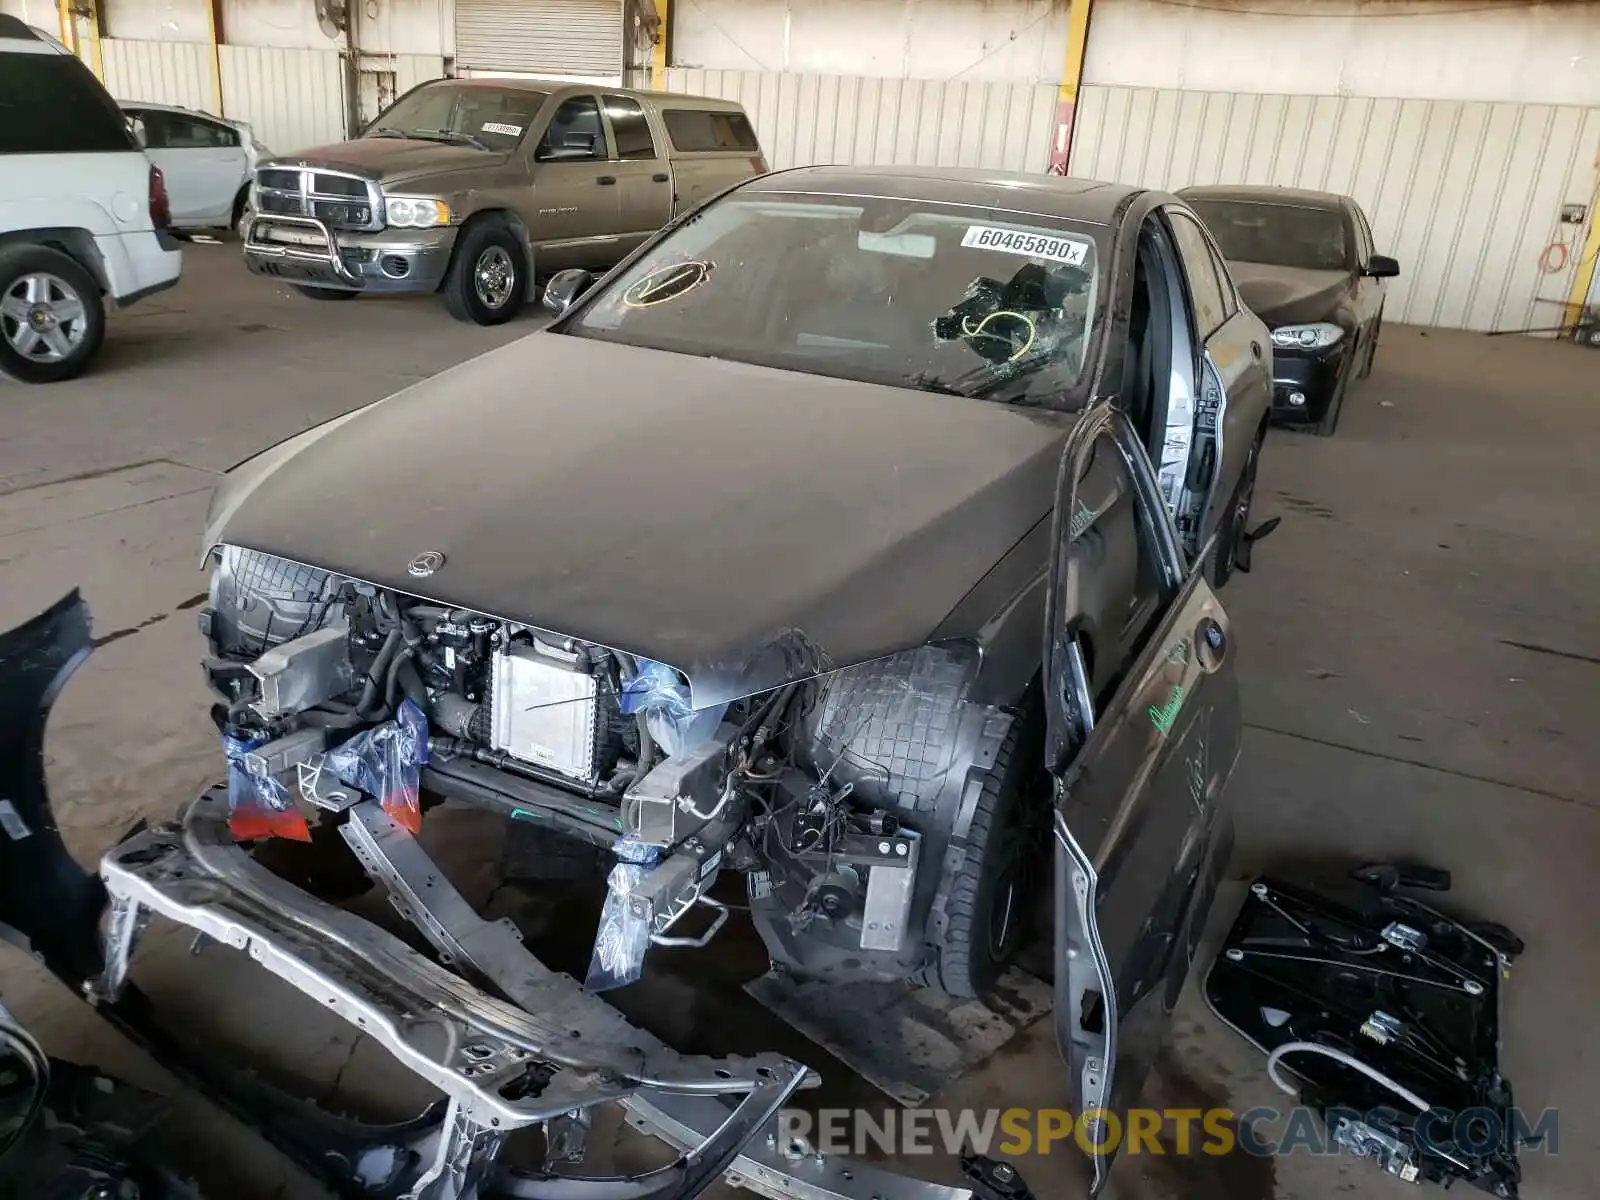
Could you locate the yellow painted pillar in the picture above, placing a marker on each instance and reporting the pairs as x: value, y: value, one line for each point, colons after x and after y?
x: 69, y: 25
x: 1071, y: 77
x: 214, y: 24
x: 1588, y: 259
x: 658, y: 52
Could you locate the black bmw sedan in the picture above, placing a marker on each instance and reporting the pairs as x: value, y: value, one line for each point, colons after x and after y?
x: 1304, y: 262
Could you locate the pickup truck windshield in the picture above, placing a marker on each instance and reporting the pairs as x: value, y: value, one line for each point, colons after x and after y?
x: 947, y: 298
x: 489, y: 118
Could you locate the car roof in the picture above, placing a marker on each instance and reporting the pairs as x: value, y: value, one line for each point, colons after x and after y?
x: 530, y: 84
x: 1264, y: 194
x: 1090, y: 201
x: 152, y: 106
x: 18, y: 37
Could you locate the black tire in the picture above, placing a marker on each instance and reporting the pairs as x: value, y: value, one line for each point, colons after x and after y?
x: 311, y: 292
x: 39, y: 342
x: 1330, y: 415
x: 989, y: 903
x: 1372, y: 344
x: 1236, y: 522
x: 241, y: 206
x: 488, y: 276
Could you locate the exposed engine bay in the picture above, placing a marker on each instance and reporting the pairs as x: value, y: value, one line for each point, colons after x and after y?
x: 828, y: 794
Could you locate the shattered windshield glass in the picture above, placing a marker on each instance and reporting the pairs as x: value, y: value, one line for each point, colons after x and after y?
x: 979, y: 302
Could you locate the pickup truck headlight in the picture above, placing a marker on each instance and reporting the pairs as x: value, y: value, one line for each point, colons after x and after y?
x: 1306, y: 337
x: 410, y: 212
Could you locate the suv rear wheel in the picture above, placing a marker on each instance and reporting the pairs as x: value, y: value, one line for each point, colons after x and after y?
x: 52, y: 319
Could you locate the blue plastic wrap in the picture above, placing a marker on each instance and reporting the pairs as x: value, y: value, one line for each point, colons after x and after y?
x: 661, y: 695
x: 623, y: 936
x: 259, y: 805
x: 386, y: 762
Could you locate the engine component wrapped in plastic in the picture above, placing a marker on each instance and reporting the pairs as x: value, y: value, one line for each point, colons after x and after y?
x: 259, y: 805
x: 624, y: 935
x: 662, y: 696
x: 386, y: 762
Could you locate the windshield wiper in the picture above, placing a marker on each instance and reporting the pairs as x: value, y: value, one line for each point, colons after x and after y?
x: 448, y: 135
x: 387, y: 133
x: 926, y: 381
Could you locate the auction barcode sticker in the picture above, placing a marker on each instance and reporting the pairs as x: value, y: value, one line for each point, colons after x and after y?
x: 501, y: 128
x: 1033, y: 243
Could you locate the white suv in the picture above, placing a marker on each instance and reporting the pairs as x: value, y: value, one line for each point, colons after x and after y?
x: 83, y: 212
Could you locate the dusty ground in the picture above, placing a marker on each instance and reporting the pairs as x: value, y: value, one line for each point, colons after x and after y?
x: 1420, y: 650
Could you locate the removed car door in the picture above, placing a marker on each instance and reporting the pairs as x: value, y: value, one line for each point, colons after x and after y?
x: 1141, y: 832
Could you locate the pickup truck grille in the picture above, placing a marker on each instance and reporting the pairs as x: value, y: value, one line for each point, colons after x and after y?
x: 345, y: 202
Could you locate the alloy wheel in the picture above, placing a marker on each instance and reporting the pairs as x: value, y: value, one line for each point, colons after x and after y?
x: 43, y: 317
x: 494, y: 277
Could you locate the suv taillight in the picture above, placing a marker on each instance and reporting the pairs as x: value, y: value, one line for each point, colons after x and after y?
x: 759, y: 164
x: 160, y: 206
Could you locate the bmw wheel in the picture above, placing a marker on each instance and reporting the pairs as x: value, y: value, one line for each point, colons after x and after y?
x: 52, y: 319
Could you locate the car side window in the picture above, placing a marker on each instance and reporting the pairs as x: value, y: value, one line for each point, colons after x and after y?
x: 1199, y: 269
x: 575, y: 134
x: 1120, y: 588
x: 1230, y: 294
x: 174, y: 131
x: 629, y: 128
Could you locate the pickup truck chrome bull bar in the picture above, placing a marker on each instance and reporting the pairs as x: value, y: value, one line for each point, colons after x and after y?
x: 329, y: 258
x: 545, y: 1057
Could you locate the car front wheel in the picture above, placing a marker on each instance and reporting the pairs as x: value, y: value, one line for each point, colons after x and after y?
x: 52, y: 319
x: 488, y: 277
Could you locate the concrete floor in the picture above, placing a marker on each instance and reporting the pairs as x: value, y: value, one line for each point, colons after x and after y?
x: 1420, y: 650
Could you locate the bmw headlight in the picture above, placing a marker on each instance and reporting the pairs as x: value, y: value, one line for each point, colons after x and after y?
x: 1306, y: 337
x: 411, y: 212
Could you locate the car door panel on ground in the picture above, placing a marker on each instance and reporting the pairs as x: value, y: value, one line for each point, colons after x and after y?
x: 644, y: 177
x: 1142, y: 834
x: 577, y: 192
x: 202, y: 161
x: 1236, y: 387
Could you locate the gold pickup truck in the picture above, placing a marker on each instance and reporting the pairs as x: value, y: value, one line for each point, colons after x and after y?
x: 475, y: 187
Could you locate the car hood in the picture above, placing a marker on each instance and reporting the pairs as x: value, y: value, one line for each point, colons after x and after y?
x: 748, y: 526
x: 1288, y: 295
x: 391, y: 159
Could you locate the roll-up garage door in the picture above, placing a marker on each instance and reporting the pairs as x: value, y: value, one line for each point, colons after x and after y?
x: 541, y: 37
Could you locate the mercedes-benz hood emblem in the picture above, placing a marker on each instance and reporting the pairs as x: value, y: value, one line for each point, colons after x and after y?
x: 426, y: 563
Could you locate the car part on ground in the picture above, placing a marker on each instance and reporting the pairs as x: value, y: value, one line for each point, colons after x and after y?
x: 504, y: 1065
x: 1388, y: 1012
x: 69, y: 1132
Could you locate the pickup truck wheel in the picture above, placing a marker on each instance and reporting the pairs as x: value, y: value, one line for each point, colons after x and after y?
x: 488, y: 277
x: 322, y: 293
x: 52, y: 319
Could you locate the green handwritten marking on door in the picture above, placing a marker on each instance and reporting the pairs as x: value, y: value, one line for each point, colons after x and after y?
x: 1163, y: 716
x: 1082, y: 519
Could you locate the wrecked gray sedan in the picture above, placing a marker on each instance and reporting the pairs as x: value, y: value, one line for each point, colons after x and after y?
x: 854, y: 542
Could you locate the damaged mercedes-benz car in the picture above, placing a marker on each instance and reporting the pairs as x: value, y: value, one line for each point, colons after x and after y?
x: 856, y: 537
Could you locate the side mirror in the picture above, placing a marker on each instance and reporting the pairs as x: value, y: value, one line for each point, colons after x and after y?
x: 1381, y: 266
x: 561, y: 290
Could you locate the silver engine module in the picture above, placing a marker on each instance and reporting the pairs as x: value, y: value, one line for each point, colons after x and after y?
x: 543, y: 708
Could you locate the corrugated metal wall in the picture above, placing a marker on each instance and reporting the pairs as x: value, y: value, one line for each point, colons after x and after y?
x: 807, y: 119
x: 292, y: 98
x: 1464, y: 194
x: 159, y: 72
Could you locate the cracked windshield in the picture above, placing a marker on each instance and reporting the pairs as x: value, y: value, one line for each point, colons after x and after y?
x: 955, y: 299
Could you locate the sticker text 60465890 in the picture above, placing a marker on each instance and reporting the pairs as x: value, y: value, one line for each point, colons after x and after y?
x: 1034, y: 243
